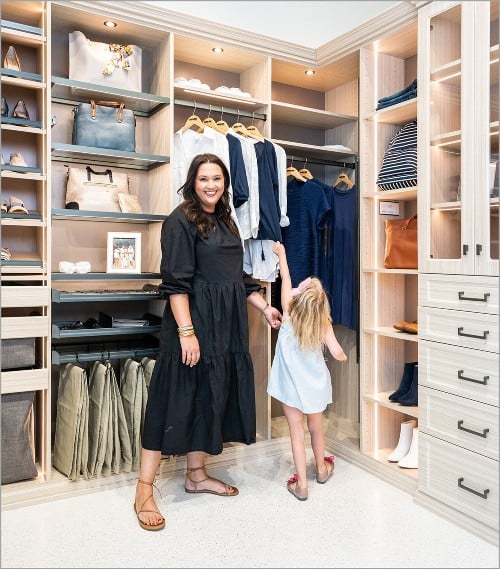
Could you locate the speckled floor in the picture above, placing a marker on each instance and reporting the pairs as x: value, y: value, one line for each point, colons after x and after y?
x: 355, y: 520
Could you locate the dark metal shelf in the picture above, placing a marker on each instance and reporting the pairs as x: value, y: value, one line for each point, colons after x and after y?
x: 57, y: 333
x: 37, y: 216
x: 21, y: 74
x: 21, y: 27
x: 87, y: 215
x: 21, y: 169
x: 104, y: 156
x: 104, y: 276
x: 59, y: 296
x: 69, y: 91
x: 64, y: 355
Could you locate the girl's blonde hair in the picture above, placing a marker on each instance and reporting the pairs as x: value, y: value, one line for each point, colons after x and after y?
x: 310, y: 315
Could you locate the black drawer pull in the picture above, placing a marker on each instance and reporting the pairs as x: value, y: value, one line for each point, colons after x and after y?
x: 483, y: 494
x: 483, y: 337
x: 483, y: 434
x: 484, y: 299
x: 484, y: 381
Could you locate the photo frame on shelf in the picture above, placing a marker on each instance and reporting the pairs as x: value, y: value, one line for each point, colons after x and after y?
x: 123, y: 252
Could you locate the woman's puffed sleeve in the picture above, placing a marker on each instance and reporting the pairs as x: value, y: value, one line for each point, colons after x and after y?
x: 178, y: 261
x: 250, y: 284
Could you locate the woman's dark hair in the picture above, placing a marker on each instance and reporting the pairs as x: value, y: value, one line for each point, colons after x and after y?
x: 191, y: 205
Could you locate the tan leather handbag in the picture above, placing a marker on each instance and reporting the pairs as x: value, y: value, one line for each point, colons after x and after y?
x: 401, y: 243
x: 92, y: 190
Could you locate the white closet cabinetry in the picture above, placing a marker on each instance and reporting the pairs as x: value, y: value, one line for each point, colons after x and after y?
x: 458, y: 283
x: 25, y: 277
x: 387, y: 295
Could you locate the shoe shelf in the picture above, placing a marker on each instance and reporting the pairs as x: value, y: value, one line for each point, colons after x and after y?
x: 312, y: 151
x: 20, y: 220
x: 297, y: 115
x: 103, y: 156
x: 117, y: 217
x: 105, y: 276
x: 381, y: 455
x: 69, y: 91
x: 390, y: 332
x: 25, y: 172
x: 59, y: 296
x: 22, y: 125
x: 396, y: 114
x: 382, y: 398
x: 21, y: 33
x: 59, y: 334
x: 22, y: 77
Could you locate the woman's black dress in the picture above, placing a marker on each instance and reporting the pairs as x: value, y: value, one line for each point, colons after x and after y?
x: 199, y: 408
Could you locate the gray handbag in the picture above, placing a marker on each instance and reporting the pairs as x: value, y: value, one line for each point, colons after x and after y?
x: 104, y: 125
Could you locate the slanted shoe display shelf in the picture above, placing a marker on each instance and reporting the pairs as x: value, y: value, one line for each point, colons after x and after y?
x: 25, y: 276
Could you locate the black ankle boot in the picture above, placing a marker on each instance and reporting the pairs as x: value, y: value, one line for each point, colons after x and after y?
x: 411, y: 398
x: 406, y: 381
x: 5, y: 107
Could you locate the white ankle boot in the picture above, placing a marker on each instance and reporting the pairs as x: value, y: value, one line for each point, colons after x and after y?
x: 405, y: 437
x: 411, y: 459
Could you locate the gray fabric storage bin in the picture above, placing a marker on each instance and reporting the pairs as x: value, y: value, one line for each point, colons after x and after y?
x: 18, y: 461
x: 18, y: 353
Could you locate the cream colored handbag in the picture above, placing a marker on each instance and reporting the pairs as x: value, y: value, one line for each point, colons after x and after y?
x: 110, y: 64
x: 90, y: 190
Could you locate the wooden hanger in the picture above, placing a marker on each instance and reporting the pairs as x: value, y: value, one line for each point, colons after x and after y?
x: 254, y: 132
x: 193, y: 120
x: 292, y: 171
x: 239, y: 127
x: 343, y: 178
x: 305, y: 172
x: 222, y: 125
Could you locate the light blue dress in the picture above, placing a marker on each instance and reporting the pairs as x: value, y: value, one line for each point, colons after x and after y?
x: 299, y: 378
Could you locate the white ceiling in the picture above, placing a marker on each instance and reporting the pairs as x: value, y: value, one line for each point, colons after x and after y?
x: 310, y: 24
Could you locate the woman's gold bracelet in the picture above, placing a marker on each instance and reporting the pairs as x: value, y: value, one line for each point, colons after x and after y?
x: 184, y: 333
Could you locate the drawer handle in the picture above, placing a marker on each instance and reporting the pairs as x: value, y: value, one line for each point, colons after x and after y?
x: 480, y: 337
x: 484, y: 299
x: 462, y: 428
x: 484, y: 381
x: 483, y: 494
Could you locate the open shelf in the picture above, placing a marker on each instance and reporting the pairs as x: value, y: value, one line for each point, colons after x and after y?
x: 404, y: 194
x: 18, y: 32
x: 22, y: 125
x: 390, y: 332
x: 306, y: 117
x: 22, y: 78
x: 382, y: 398
x: 312, y: 151
x: 59, y: 296
x: 105, y: 276
x: 58, y: 334
x: 106, y: 157
x: 69, y: 91
x: 108, y: 216
x: 396, y: 114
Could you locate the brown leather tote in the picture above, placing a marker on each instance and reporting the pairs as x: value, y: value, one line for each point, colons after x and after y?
x: 401, y: 244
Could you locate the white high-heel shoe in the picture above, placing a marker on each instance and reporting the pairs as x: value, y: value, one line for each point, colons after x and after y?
x: 405, y: 437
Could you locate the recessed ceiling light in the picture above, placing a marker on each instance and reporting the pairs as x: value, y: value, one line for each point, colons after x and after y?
x: 110, y: 24
x: 309, y: 72
x: 217, y: 49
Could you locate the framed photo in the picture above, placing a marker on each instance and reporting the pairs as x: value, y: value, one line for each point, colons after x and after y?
x: 123, y: 253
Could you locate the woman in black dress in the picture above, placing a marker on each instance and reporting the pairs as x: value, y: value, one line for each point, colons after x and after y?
x: 202, y: 388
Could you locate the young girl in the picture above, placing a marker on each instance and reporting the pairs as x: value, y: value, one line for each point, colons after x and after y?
x: 299, y: 377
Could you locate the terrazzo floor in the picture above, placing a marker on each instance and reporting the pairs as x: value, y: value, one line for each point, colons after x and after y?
x: 355, y: 520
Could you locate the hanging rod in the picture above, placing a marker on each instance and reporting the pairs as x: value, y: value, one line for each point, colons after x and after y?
x: 350, y: 165
x: 218, y: 109
x: 76, y: 356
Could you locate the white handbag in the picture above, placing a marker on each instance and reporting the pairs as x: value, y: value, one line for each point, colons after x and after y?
x: 109, y: 64
x: 90, y: 190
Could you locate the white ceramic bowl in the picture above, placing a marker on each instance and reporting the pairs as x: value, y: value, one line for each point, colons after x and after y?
x: 67, y: 267
x: 82, y: 267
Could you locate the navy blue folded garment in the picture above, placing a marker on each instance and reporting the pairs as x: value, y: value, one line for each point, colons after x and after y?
x: 396, y: 100
x: 412, y: 86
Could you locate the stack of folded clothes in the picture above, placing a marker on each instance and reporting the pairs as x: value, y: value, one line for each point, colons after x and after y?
x: 409, y: 92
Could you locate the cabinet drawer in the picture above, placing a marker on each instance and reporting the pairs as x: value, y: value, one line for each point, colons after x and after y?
x: 25, y: 327
x: 461, y: 371
x: 466, y: 329
x: 474, y: 294
x: 22, y: 296
x: 459, y: 478
x: 460, y: 421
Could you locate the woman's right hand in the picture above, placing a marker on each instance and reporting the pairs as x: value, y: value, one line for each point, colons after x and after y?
x: 190, y: 350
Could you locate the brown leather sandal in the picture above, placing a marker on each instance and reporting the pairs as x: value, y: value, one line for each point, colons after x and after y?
x: 292, y: 486
x: 148, y: 527
x: 230, y: 490
x: 329, y: 463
